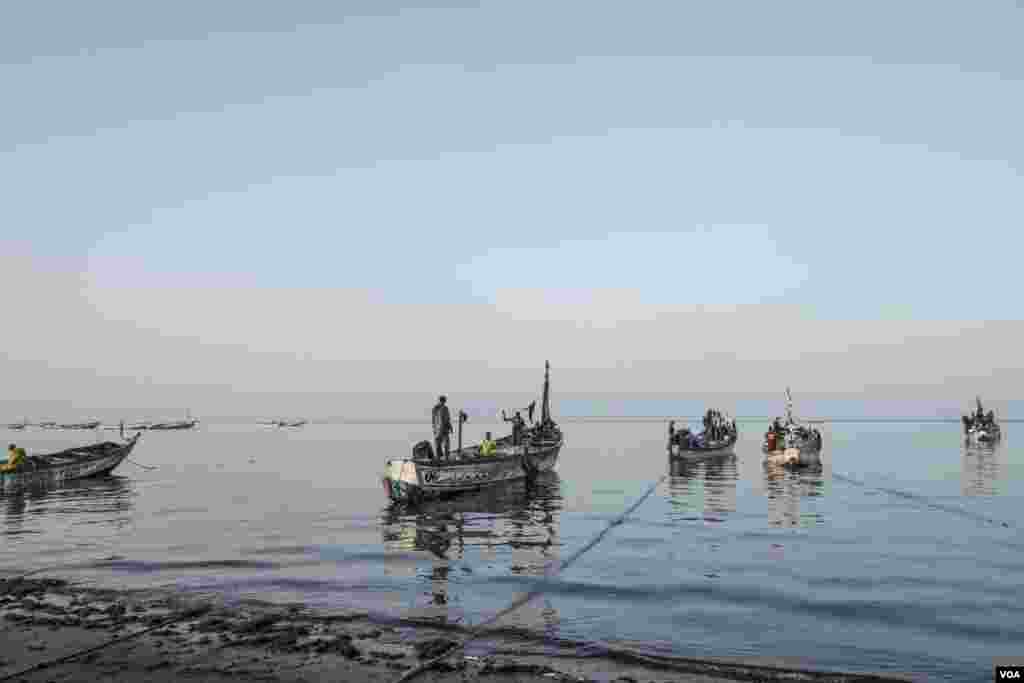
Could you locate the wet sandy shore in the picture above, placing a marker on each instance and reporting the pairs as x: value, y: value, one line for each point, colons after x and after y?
x: 162, y: 637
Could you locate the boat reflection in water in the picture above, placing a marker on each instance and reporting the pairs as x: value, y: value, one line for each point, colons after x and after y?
x: 513, y: 526
x: 705, y: 486
x: 786, y: 488
x: 104, y: 500
x: 981, y: 470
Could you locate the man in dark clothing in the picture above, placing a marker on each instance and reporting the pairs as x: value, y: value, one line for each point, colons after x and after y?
x: 517, y: 426
x: 442, y: 428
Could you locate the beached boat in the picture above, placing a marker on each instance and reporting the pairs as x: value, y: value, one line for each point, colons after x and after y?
x: 981, y: 428
x: 718, y: 437
x: 81, y: 462
x: 423, y: 476
x: 790, y: 442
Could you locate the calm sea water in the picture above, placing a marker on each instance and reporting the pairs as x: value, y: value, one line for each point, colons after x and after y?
x: 904, y: 555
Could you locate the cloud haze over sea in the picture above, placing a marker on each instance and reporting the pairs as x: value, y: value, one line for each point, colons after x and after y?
x: 225, y: 206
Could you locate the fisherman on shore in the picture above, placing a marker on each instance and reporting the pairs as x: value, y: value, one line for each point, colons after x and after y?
x: 442, y: 420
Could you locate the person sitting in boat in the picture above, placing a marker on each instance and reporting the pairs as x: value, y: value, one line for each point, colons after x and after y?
x: 16, y: 457
x: 488, y: 446
x: 442, y: 428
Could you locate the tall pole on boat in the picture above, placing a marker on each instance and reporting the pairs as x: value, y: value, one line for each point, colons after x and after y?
x: 462, y: 418
x: 545, y: 409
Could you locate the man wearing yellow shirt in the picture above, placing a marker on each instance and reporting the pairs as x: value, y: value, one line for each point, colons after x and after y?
x: 487, y: 446
x: 15, y: 457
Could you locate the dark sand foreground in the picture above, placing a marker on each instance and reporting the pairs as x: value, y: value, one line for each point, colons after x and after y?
x: 42, y: 620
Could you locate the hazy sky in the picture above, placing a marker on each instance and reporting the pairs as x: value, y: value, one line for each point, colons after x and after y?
x: 214, y: 201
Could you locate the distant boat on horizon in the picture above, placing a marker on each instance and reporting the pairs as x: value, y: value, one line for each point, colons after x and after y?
x: 188, y: 423
x: 94, y: 424
x: 285, y: 423
x: 981, y: 428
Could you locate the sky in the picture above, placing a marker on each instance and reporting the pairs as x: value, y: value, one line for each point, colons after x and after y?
x: 274, y: 207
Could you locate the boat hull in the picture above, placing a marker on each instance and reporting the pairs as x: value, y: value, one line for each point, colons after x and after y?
x: 84, y: 468
x: 678, y: 452
x: 982, y: 437
x: 802, y: 455
x: 414, y: 480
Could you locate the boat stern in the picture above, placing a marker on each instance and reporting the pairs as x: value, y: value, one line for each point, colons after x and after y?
x: 400, y: 479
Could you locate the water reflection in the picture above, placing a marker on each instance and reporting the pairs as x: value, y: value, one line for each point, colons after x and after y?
x: 705, y: 485
x: 786, y: 488
x: 981, y: 471
x: 105, y: 500
x: 516, y: 523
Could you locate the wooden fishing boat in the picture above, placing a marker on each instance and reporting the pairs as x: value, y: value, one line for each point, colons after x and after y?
x: 424, y: 476
x: 792, y: 443
x: 981, y: 428
x: 718, y: 438
x: 280, y: 424
x: 93, y: 424
x: 188, y: 423
x: 81, y: 462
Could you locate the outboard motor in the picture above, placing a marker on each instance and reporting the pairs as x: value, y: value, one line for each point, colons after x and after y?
x: 423, y: 451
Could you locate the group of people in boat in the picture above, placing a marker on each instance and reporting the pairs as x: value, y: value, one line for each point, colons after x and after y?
x: 776, y: 433
x: 442, y: 422
x: 979, y: 419
x: 718, y: 427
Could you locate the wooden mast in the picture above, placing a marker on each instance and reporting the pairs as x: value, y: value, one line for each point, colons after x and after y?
x: 545, y: 409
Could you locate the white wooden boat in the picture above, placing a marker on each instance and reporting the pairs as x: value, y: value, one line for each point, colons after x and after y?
x: 792, y: 443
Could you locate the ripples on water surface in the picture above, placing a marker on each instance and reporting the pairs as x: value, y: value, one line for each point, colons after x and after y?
x: 904, y: 554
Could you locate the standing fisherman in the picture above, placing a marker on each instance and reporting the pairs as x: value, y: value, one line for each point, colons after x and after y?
x: 518, y: 425
x: 442, y: 428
